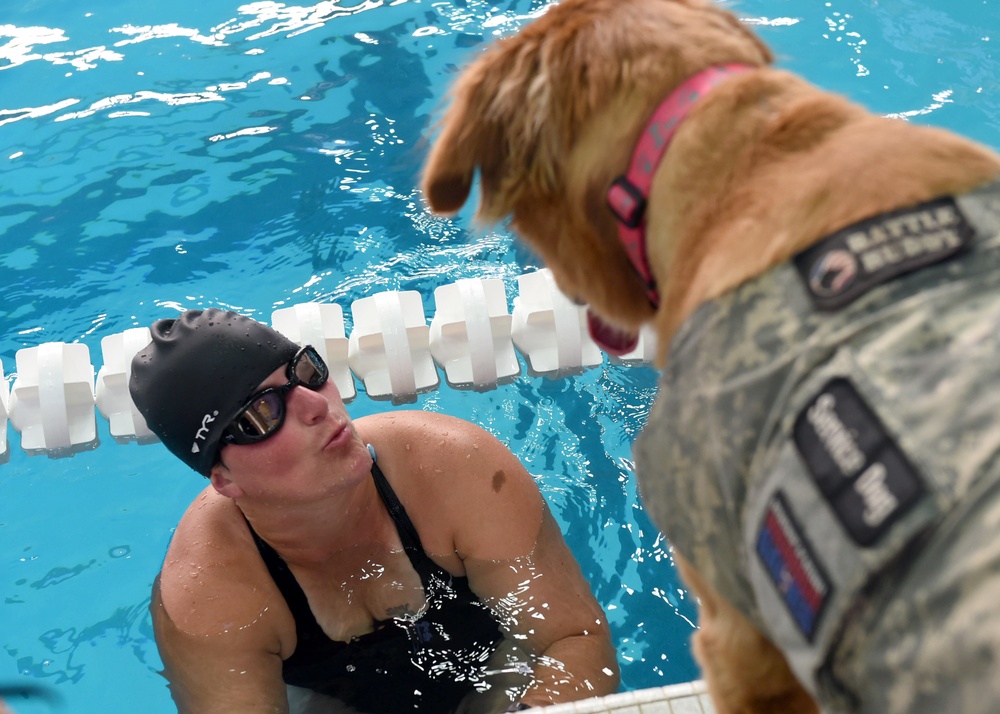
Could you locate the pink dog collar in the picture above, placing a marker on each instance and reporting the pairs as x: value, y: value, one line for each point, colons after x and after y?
x: 628, y: 194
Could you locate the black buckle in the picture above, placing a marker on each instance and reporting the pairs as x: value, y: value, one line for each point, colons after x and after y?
x: 626, y: 202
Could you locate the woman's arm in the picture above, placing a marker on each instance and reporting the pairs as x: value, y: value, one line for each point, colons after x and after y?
x: 220, y: 625
x: 223, y: 673
x: 546, y: 604
x: 480, y: 512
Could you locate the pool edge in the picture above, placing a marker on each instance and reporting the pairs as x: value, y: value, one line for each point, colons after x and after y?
x: 687, y: 698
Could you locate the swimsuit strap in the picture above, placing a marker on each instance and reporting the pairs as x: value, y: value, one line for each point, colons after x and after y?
x: 282, y: 575
x: 404, y: 526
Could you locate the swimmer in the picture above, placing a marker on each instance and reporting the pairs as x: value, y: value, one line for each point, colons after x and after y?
x: 401, y: 562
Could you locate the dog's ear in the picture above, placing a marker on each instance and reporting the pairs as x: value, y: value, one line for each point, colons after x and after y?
x: 451, y: 164
x: 498, y: 123
x: 471, y: 139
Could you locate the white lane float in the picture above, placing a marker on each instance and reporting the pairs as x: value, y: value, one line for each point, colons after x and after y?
x: 322, y: 326
x: 392, y: 350
x: 113, y: 398
x: 645, y: 349
x: 389, y: 348
x: 470, y: 334
x: 4, y: 416
x: 549, y: 329
x: 52, y: 399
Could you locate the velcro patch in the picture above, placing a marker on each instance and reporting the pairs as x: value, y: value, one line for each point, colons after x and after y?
x: 787, y: 558
x: 844, y: 266
x: 862, y: 472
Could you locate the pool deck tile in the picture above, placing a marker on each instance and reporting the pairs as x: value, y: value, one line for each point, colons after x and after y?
x: 688, y: 698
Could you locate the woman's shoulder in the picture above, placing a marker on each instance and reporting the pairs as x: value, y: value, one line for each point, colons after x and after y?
x: 460, y: 485
x: 421, y: 431
x: 212, y: 574
x: 211, y: 527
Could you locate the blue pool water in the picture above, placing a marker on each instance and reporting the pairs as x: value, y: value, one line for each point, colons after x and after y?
x: 259, y: 155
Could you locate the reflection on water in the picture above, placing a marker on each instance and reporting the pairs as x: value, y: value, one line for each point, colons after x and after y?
x: 60, y: 574
x: 125, y: 627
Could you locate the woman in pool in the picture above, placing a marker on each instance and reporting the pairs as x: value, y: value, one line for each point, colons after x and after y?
x: 403, y: 562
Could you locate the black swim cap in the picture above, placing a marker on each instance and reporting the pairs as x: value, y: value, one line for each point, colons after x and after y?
x: 198, y: 371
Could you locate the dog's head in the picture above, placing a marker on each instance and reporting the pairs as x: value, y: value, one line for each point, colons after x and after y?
x: 549, y: 117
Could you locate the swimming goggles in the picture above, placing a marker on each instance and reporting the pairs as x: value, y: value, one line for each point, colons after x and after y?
x: 264, y: 413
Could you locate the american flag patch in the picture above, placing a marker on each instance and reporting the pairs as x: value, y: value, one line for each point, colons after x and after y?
x: 799, y: 579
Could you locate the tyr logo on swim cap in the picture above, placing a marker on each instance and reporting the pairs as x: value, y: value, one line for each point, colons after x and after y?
x: 197, y: 372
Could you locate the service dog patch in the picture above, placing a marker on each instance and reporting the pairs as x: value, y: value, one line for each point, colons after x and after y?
x: 864, y: 475
x: 844, y: 266
x: 788, y: 560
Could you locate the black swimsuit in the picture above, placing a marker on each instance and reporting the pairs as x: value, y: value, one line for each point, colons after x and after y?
x: 426, y: 663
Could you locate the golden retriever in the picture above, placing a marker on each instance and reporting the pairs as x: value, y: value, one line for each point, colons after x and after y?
x: 759, y: 168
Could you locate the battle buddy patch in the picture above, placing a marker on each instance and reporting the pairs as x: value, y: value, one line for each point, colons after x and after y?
x: 849, y: 263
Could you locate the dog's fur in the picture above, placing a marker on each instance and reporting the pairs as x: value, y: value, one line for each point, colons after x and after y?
x: 763, y: 166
